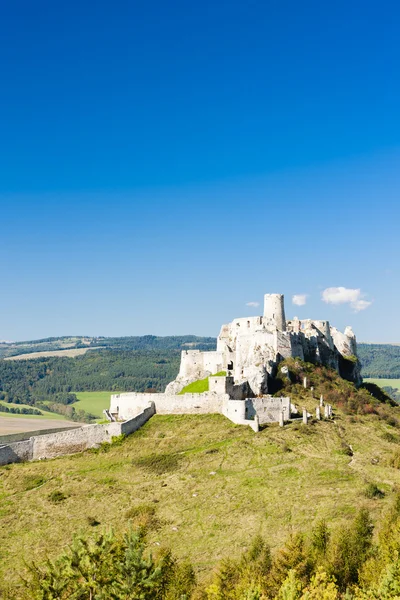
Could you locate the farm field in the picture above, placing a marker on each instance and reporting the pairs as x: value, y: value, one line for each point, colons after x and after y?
x: 395, y: 383
x: 45, y: 414
x: 20, y: 424
x: 93, y: 402
x: 72, y: 353
x: 14, y: 423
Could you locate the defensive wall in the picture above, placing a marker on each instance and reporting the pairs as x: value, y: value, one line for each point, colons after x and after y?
x: 71, y: 441
x: 248, y: 411
x: 125, y: 406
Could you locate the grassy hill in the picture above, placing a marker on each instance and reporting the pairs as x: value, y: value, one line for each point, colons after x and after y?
x: 205, y: 486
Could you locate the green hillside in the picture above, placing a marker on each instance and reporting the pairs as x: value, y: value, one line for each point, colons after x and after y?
x: 205, y: 486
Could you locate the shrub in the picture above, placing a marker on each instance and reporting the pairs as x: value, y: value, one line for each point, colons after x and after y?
x: 394, y: 460
x: 56, y: 497
x: 372, y: 491
x: 159, y: 463
x: 107, y: 566
x: 143, y: 516
x: 390, y: 437
x: 33, y: 481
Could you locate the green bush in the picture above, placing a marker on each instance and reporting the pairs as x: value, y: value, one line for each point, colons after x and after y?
x: 372, y: 491
x: 56, y: 497
x: 159, y: 463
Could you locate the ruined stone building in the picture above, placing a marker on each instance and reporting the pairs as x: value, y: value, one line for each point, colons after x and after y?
x: 245, y: 362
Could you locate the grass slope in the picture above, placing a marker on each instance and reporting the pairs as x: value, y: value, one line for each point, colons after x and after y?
x: 213, y: 485
x: 201, y: 385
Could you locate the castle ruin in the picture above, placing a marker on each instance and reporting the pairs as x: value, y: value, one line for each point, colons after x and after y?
x: 242, y: 368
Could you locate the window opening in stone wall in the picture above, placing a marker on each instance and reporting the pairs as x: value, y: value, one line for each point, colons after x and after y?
x: 230, y: 366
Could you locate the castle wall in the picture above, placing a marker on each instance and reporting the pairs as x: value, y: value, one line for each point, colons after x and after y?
x: 235, y: 410
x: 70, y: 441
x: 196, y: 364
x: 16, y: 452
x: 218, y: 385
x: 268, y: 408
x: 213, y: 362
x: 129, y: 404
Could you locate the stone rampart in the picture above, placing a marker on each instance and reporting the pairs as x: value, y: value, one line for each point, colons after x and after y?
x: 72, y: 440
x: 16, y: 452
x: 130, y: 404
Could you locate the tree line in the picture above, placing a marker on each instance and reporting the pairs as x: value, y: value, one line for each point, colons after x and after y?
x: 57, y: 378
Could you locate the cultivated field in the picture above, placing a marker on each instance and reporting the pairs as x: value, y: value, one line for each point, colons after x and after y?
x: 71, y: 353
x: 206, y: 486
x: 94, y: 402
x: 14, y: 423
x: 18, y: 424
x: 395, y: 383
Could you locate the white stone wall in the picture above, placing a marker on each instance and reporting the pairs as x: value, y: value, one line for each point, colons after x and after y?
x: 268, y: 408
x: 16, y: 452
x: 70, y: 441
x: 235, y: 410
x: 129, y: 404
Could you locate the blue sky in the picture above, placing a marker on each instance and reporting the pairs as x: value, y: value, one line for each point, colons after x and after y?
x: 163, y: 164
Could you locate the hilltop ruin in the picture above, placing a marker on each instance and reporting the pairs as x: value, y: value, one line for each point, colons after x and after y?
x: 241, y: 370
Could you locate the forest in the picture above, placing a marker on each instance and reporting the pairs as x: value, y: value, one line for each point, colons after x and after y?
x: 380, y: 360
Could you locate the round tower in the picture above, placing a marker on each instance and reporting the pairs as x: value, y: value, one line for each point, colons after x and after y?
x: 274, y: 309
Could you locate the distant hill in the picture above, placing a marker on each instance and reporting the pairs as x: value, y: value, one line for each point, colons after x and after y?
x: 144, y: 342
x: 380, y: 360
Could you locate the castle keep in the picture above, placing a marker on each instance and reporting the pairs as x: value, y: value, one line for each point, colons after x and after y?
x: 245, y: 362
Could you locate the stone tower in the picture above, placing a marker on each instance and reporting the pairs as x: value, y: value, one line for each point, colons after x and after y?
x: 274, y: 309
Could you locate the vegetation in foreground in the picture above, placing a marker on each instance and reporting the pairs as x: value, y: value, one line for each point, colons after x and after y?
x: 322, y: 565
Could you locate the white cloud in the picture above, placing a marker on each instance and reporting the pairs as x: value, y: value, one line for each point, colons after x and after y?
x: 342, y: 295
x: 360, y: 305
x: 253, y: 304
x: 299, y: 299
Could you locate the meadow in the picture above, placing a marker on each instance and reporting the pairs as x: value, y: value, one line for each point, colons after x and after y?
x: 93, y: 402
x: 205, y: 485
x: 395, y: 383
